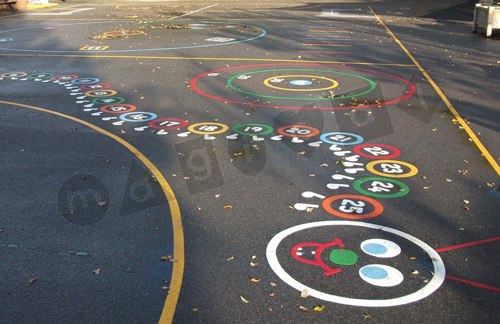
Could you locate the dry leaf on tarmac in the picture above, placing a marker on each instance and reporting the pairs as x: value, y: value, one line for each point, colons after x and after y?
x: 227, y: 206
x: 303, y: 308
x: 253, y: 264
x: 32, y: 280
x: 97, y: 271
x: 102, y: 203
x: 319, y: 308
x: 254, y: 280
x: 243, y: 299
x: 273, y: 284
x: 304, y: 293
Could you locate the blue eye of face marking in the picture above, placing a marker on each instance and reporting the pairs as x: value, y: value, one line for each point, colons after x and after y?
x: 381, y: 275
x: 380, y: 248
x: 373, y: 272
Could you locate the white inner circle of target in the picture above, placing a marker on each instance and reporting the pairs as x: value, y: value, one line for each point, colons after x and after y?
x: 380, y: 248
x: 301, y: 82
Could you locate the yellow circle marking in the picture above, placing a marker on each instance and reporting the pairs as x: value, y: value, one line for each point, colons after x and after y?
x: 174, y: 290
x: 13, y: 75
x: 223, y: 128
x: 333, y: 86
x: 390, y: 169
x: 108, y: 93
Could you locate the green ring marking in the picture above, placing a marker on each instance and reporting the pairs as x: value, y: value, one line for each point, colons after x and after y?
x: 229, y: 83
x: 267, y: 129
x: 403, y: 191
x: 103, y: 101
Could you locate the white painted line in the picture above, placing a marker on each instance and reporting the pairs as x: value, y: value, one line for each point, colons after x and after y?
x: 64, y: 13
x: 192, y: 12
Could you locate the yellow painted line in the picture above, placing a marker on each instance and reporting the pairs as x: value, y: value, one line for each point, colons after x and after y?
x: 181, y: 58
x: 443, y: 97
x: 178, y: 266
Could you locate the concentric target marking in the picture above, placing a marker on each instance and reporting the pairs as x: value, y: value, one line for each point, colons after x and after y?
x: 168, y: 123
x: 341, y: 138
x: 138, y: 116
x: 354, y: 90
x: 381, y: 187
x: 392, y: 168
x: 371, y: 85
x: 352, y: 207
x: 208, y: 128
x: 306, y: 80
x: 300, y: 131
x: 118, y: 108
x: 252, y: 129
x: 377, y: 151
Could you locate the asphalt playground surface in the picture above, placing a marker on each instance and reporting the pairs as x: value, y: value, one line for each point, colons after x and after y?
x: 244, y: 162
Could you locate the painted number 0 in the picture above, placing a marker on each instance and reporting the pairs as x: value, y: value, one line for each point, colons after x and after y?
x: 349, y: 206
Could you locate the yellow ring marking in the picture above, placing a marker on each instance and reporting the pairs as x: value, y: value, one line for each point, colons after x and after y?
x: 371, y: 167
x: 223, y: 128
x: 10, y: 75
x: 92, y: 93
x: 333, y: 86
x: 168, y: 311
x: 443, y: 97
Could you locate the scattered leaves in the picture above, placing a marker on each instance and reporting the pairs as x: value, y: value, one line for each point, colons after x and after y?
x: 243, y: 299
x: 490, y: 185
x: 319, y: 308
x: 303, y: 308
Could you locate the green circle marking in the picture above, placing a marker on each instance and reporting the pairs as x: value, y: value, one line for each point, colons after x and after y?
x: 372, y: 87
x: 39, y: 76
x: 108, y: 100
x: 266, y: 129
x: 403, y: 188
x: 343, y: 257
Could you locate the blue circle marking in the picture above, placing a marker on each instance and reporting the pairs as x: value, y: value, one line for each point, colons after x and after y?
x: 374, y: 248
x: 85, y: 81
x: 261, y: 33
x: 374, y: 272
x: 341, y: 138
x: 301, y: 82
x: 138, y: 116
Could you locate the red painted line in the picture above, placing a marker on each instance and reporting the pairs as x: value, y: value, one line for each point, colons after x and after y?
x: 464, y: 245
x: 473, y: 283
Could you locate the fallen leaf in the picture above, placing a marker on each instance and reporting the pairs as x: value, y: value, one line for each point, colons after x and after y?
x: 254, y: 257
x: 303, y: 308
x: 102, y: 203
x: 217, y: 196
x: 324, y: 165
x: 254, y: 280
x: 273, y: 284
x: 167, y: 258
x: 466, y: 208
x: 32, y: 280
x: 301, y: 153
x: 97, y: 271
x: 304, y: 293
x: 466, y: 201
x: 309, y: 210
x: 227, y: 206
x: 448, y: 180
x: 319, y: 308
x: 270, y: 309
x: 243, y: 299
x: 229, y: 259
x: 272, y: 294
x: 253, y: 264
x: 312, y: 174
x: 414, y: 273
x: 195, y: 309
x: 427, y: 187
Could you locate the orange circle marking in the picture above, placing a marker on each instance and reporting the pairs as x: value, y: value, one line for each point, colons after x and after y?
x: 377, y: 207
x: 282, y: 131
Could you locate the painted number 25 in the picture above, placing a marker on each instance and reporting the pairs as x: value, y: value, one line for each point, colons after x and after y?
x: 350, y: 206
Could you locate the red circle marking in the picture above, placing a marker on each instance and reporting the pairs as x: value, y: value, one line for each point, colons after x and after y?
x: 358, y: 149
x: 282, y: 131
x: 155, y: 123
x: 109, y: 108
x: 406, y: 95
x: 95, y: 86
x: 64, y: 77
x: 377, y: 207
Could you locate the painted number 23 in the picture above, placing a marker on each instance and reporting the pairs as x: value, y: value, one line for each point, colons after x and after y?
x: 391, y: 168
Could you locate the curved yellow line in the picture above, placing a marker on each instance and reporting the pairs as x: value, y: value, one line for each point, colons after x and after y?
x: 178, y: 266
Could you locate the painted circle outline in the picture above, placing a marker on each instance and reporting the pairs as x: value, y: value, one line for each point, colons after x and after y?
x: 404, y: 189
x: 427, y: 290
x: 96, y: 101
x: 183, y: 123
x: 82, y: 81
x: 229, y: 84
x: 267, y: 129
x: 192, y: 128
x: 66, y: 77
x: 378, y: 208
x: 124, y: 116
x: 396, y: 152
x: 314, y: 131
x: 7, y: 75
x: 334, y: 82
x: 405, y: 96
x: 34, y: 76
x: 103, y: 86
x: 260, y: 35
x: 112, y: 93
x: 324, y: 136
x: 413, y: 169
x: 105, y: 109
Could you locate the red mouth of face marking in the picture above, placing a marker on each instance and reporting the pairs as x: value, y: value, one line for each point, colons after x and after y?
x: 319, y: 248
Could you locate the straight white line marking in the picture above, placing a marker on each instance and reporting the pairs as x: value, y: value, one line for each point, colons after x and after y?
x: 192, y: 12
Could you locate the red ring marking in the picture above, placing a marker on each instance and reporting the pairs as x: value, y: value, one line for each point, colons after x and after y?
x: 377, y: 207
x: 107, y: 109
x: 314, y: 131
x: 90, y: 87
x: 358, y: 150
x: 407, y: 95
x: 66, y: 77
x: 154, y: 122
